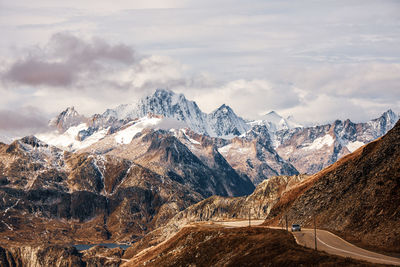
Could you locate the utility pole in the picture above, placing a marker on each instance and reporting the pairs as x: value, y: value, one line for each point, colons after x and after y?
x: 286, y: 222
x: 249, y: 216
x: 315, y: 232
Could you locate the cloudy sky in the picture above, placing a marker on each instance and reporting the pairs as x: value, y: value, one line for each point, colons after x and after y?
x: 316, y: 60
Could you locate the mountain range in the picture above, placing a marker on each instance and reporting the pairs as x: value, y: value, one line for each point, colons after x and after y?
x: 141, y: 171
x: 277, y: 145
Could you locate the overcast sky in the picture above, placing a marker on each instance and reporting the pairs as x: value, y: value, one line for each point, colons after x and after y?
x: 316, y: 60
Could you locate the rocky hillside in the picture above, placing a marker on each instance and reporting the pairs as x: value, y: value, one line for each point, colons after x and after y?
x: 254, y: 246
x: 311, y: 149
x: 216, y: 208
x: 171, y: 154
x: 358, y: 197
x: 49, y: 194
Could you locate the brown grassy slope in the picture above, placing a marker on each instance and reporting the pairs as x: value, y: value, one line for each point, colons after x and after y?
x: 358, y: 197
x: 217, y: 208
x: 255, y: 246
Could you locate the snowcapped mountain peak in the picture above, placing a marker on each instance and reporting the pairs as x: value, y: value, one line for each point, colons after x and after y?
x: 384, y: 123
x: 272, y: 114
x: 223, y: 109
x: 276, y: 122
x: 69, y: 112
x: 390, y: 116
x: 67, y: 118
x: 225, y: 123
x: 164, y: 93
x: 169, y: 104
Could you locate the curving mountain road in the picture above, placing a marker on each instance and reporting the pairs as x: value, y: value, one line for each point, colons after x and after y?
x: 333, y: 244
x: 326, y: 241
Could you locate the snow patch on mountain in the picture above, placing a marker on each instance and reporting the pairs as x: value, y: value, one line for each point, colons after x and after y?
x: 234, y: 150
x: 188, y: 137
x: 320, y: 142
x: 126, y: 135
x: 68, y: 140
x: 7, y: 139
x: 353, y: 146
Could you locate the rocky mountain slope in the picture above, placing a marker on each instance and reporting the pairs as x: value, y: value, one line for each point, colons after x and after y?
x: 357, y: 197
x: 182, y: 159
x: 50, y: 194
x: 253, y: 155
x: 311, y: 149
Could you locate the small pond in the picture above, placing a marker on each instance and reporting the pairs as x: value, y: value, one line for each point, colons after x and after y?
x: 81, y: 247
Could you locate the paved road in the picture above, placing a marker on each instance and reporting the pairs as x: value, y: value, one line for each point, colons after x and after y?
x: 327, y: 242
x: 239, y: 223
x: 333, y: 244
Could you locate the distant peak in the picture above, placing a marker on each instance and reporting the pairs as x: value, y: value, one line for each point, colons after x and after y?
x: 70, y: 111
x: 32, y: 141
x: 272, y: 115
x: 224, y: 108
x: 389, y: 112
x: 67, y: 118
x: 162, y: 91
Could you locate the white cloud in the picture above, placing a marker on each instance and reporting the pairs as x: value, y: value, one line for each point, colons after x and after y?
x: 321, y: 60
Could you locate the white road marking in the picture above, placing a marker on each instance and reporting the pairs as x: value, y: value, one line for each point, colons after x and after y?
x: 354, y: 253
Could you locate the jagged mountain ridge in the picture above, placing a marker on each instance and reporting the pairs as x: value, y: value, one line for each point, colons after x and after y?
x: 308, y: 149
x: 221, y: 122
x: 253, y: 155
x: 311, y: 149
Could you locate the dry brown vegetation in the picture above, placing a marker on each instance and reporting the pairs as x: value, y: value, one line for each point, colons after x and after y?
x: 246, y: 246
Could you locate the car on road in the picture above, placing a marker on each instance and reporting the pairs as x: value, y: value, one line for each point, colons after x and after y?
x: 296, y: 227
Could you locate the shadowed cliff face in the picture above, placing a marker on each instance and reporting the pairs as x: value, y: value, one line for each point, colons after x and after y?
x: 357, y: 197
x: 196, y: 164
